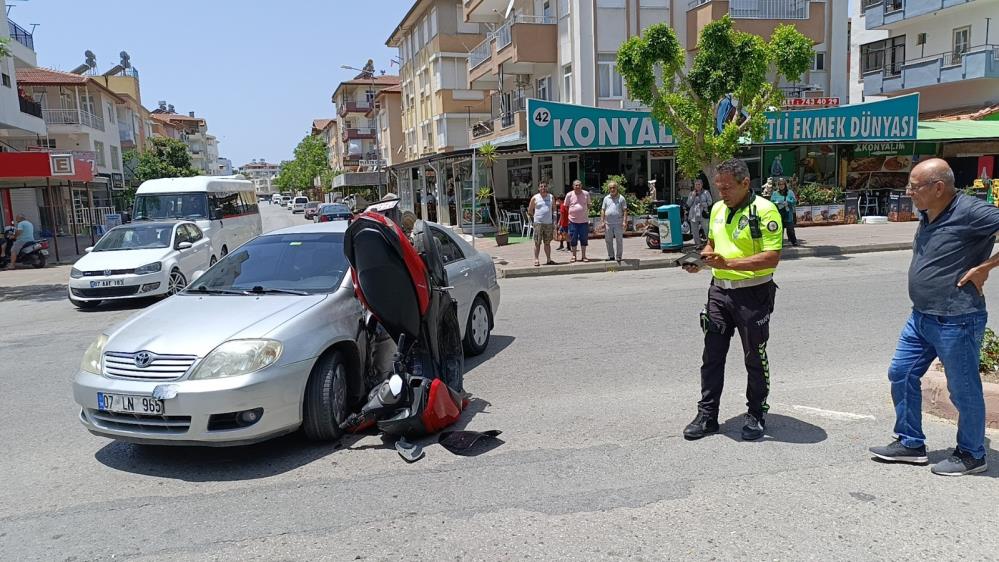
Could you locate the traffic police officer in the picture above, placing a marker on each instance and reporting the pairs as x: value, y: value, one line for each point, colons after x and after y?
x: 744, y: 244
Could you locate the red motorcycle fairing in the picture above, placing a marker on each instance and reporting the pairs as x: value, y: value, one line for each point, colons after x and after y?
x: 443, y: 407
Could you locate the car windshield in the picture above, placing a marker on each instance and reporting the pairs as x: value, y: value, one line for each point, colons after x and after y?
x: 335, y: 209
x: 311, y: 263
x: 160, y: 206
x: 136, y: 237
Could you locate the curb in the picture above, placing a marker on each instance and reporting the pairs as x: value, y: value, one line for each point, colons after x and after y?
x: 936, y: 398
x: 667, y: 261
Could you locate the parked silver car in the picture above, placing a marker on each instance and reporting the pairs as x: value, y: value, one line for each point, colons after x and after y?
x: 270, y: 339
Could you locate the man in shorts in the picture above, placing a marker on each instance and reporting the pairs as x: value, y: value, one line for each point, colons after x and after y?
x: 542, y: 211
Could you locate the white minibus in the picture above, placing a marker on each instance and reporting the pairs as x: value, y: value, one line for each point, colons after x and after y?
x: 224, y: 207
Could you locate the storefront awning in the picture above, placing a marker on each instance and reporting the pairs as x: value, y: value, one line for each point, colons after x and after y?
x: 28, y: 166
x: 957, y: 130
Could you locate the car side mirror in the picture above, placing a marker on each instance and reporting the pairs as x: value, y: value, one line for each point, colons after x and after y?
x: 184, y: 245
x: 88, y: 249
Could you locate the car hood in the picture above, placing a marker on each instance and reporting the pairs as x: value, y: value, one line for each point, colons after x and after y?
x: 196, y: 324
x: 120, y: 259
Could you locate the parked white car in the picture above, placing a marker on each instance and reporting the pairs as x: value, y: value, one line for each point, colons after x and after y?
x: 139, y: 260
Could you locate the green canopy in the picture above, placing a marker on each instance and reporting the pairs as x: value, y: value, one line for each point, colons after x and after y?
x: 957, y: 130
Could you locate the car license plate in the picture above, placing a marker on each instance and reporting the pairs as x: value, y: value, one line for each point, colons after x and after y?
x: 127, y: 404
x: 109, y: 283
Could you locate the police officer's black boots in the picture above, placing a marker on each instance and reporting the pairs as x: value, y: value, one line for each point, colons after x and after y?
x: 753, y: 429
x: 703, y: 424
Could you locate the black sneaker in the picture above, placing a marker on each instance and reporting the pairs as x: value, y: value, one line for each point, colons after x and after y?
x: 753, y: 430
x: 959, y: 464
x: 702, y: 425
x: 897, y: 452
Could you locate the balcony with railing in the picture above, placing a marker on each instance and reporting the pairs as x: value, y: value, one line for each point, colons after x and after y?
x: 759, y: 17
x: 977, y: 62
x: 352, y: 106
x: 508, y: 118
x: 878, y: 14
x: 21, y: 35
x: 30, y: 107
x: 358, y: 133
x: 72, y: 117
x: 521, y: 43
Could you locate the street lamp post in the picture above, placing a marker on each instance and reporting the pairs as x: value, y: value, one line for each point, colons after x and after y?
x: 378, y: 149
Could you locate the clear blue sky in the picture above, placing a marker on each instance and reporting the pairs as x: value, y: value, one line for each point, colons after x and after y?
x: 259, y: 72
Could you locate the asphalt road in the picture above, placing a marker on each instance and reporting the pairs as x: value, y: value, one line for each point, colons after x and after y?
x: 591, y: 378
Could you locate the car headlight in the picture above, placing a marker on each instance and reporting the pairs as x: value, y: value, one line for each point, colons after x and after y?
x: 238, y: 357
x: 75, y: 273
x: 149, y: 268
x: 94, y: 355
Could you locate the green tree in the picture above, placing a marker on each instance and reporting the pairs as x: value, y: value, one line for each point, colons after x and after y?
x: 310, y: 163
x: 489, y: 157
x: 167, y: 158
x: 730, y: 66
x: 4, y: 49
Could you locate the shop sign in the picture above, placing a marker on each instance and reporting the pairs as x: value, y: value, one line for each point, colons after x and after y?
x: 811, y: 102
x: 554, y: 126
x: 62, y: 165
x: 117, y: 181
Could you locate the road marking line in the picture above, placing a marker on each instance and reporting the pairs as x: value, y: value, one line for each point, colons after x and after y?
x: 832, y: 414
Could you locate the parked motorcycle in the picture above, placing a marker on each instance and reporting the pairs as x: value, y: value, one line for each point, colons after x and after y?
x: 33, y: 253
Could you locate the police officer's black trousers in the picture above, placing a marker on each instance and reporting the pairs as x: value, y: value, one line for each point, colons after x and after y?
x: 746, y: 310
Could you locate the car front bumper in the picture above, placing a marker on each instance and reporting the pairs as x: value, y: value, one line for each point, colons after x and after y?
x: 188, y: 415
x: 134, y: 286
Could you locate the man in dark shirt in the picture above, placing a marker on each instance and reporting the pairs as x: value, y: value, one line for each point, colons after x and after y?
x: 950, y: 264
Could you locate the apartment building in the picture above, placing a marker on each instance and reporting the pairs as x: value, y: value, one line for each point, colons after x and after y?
x: 859, y: 36
x: 947, y: 50
x: 202, y: 146
x: 387, y: 114
x: 20, y: 115
x: 224, y: 167
x: 262, y: 174
x: 353, y: 99
x: 434, y: 42
x: 327, y: 130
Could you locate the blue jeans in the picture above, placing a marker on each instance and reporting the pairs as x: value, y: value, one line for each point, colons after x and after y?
x: 579, y: 233
x: 957, y: 341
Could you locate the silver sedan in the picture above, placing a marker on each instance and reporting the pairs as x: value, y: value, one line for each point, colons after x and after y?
x: 271, y: 339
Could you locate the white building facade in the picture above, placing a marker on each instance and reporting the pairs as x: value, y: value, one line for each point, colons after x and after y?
x: 947, y: 50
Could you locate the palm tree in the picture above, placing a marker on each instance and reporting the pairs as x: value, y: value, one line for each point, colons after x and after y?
x: 489, y: 154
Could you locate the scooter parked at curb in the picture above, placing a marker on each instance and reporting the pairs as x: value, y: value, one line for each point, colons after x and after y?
x: 34, y: 253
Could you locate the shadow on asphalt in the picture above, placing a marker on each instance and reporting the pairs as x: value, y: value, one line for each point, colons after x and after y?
x: 497, y: 343
x: 833, y: 253
x: 36, y: 293
x: 211, y: 464
x: 782, y: 429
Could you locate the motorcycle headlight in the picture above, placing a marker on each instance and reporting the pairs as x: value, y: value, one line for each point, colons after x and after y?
x: 75, y: 273
x: 149, y: 268
x: 238, y: 357
x: 94, y: 355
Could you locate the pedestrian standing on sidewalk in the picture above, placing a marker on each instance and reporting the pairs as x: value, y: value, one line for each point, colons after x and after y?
x: 614, y: 216
x: 786, y: 201
x: 563, y: 224
x: 578, y: 203
x: 743, y: 250
x: 698, y: 208
x: 947, y: 275
x: 541, y: 209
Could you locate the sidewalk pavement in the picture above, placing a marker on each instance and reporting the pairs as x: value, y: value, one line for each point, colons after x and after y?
x: 517, y: 259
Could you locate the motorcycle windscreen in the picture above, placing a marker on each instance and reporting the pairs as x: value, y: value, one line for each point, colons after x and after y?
x: 427, y: 246
x: 388, y: 274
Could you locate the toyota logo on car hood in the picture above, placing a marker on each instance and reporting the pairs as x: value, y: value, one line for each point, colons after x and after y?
x: 143, y: 359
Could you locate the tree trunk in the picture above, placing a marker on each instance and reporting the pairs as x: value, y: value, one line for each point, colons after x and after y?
x: 710, y: 170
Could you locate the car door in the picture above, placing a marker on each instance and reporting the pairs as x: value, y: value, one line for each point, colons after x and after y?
x: 458, y: 273
x: 201, y: 250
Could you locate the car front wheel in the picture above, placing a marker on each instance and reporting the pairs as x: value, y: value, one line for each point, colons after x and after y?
x: 478, y: 329
x: 325, y: 406
x: 176, y: 283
